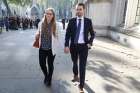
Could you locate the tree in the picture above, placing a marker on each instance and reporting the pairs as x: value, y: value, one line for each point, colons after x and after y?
x: 20, y: 2
x: 64, y: 7
x: 16, y: 2
x: 7, y: 6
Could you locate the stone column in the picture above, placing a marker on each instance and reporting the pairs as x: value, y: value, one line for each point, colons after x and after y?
x: 131, y: 13
x: 117, y: 12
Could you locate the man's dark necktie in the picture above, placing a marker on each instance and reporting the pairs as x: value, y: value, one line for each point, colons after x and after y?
x: 77, y: 31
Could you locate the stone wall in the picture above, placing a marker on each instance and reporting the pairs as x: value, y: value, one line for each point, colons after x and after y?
x: 126, y: 40
x: 131, y: 13
x: 106, y: 14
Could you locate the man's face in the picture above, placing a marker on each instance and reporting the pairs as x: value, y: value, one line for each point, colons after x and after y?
x: 79, y: 11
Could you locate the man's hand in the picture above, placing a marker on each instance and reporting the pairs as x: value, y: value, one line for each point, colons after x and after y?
x: 66, y: 50
x: 89, y: 46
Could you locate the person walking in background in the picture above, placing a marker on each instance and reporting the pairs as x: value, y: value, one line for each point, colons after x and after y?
x: 6, y: 23
x: 47, y: 36
x: 37, y: 22
x: 81, y: 34
x: 63, y: 23
x: 31, y: 23
x: 1, y: 24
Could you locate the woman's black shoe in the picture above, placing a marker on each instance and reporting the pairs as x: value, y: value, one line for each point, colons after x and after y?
x: 48, y: 83
x: 45, y: 80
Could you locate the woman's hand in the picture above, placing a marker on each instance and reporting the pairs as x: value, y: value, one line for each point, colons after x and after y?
x: 37, y: 36
x: 66, y: 50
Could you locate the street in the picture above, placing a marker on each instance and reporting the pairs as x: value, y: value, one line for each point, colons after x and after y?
x: 111, y: 67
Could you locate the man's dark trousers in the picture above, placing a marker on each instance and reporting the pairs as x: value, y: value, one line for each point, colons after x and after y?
x: 79, y: 51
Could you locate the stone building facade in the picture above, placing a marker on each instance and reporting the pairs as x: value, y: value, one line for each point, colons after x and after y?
x: 116, y: 19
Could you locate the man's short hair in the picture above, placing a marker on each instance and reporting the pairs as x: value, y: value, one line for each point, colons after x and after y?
x: 81, y: 4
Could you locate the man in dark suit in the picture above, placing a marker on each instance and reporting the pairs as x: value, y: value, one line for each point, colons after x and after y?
x: 81, y: 34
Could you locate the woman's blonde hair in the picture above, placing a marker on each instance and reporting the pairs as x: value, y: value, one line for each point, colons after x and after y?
x: 53, y: 21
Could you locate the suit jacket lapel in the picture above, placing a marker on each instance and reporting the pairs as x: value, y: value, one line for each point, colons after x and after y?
x: 84, y: 24
x: 75, y: 23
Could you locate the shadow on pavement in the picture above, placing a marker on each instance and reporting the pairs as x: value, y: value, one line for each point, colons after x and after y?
x: 112, y: 89
x: 88, y: 89
x: 105, y: 55
x: 135, y: 83
x: 113, y: 76
x: 61, y: 86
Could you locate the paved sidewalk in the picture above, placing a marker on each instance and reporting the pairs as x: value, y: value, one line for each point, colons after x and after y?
x: 111, y: 67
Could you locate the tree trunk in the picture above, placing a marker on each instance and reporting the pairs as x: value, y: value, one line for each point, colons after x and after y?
x: 8, y: 8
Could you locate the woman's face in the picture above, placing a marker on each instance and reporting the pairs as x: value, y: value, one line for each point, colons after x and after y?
x: 49, y: 15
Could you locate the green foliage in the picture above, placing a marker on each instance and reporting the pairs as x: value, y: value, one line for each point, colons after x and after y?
x: 20, y: 2
x: 98, y: 1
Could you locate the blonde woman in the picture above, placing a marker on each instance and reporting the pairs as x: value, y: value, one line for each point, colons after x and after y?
x: 47, y: 36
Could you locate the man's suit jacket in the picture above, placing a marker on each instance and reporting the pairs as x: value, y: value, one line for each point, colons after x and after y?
x: 89, y: 33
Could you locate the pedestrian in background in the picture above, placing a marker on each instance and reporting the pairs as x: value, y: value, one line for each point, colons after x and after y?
x: 6, y: 21
x: 63, y: 23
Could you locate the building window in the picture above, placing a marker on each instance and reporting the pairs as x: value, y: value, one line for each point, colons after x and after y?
x: 137, y: 18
